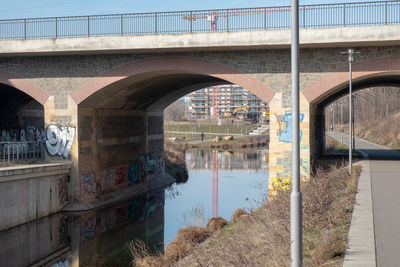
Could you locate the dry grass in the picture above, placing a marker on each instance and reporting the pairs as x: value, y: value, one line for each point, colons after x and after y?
x: 384, y: 131
x: 187, y: 240
x: 239, y: 213
x: 261, y: 238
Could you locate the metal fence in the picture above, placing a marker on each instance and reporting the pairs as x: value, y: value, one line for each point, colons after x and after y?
x: 266, y: 18
x: 20, y: 152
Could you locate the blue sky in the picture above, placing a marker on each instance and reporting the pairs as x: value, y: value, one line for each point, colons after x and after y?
x: 56, y: 8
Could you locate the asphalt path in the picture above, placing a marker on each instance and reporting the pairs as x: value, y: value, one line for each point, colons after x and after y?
x: 385, y: 186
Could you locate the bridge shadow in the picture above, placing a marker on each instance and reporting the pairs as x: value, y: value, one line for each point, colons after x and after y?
x: 382, y: 154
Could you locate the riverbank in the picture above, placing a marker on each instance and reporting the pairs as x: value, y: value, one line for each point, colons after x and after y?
x: 233, y: 143
x: 262, y: 237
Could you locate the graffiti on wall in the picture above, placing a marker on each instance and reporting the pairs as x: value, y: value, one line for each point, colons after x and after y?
x: 286, y: 136
x: 150, y: 165
x: 113, y: 218
x: 88, y: 228
x: 133, y: 175
x: 62, y: 191
x: 113, y: 177
x: 59, y: 140
x: 30, y: 134
x: 87, y: 183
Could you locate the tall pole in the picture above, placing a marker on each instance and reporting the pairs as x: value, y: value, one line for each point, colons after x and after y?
x: 341, y: 122
x: 296, y: 246
x: 350, y: 54
x: 333, y: 118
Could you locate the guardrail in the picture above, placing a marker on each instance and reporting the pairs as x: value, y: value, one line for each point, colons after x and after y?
x: 20, y: 152
x: 265, y: 18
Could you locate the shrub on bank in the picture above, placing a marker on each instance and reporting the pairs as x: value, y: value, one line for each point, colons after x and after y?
x: 262, y: 237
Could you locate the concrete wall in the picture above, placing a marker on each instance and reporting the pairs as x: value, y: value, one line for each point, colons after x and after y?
x: 38, y: 241
x: 31, y: 192
x: 263, y: 39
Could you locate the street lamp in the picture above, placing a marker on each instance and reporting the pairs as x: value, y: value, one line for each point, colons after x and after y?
x: 341, y: 122
x: 350, y: 53
x: 296, y: 248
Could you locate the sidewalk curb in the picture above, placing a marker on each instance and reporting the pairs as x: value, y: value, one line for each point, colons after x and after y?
x: 361, y: 250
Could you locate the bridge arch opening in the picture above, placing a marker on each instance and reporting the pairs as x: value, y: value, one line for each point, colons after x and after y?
x: 21, y: 127
x: 376, y: 104
x: 120, y: 114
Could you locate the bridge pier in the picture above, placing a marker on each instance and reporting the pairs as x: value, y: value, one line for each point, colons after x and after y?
x: 280, y: 146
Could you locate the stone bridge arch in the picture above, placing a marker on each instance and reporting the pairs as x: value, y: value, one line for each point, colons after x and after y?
x: 188, y: 65
x: 25, y: 86
x: 120, y: 117
x: 374, y: 72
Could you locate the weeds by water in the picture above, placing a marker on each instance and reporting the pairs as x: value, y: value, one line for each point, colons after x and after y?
x: 261, y: 238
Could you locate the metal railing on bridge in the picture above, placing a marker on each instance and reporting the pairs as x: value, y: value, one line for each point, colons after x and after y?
x: 21, y: 153
x: 265, y: 18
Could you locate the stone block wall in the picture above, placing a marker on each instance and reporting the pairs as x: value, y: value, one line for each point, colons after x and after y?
x: 280, y: 146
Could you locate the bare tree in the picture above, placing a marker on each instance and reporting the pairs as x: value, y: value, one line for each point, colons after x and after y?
x: 175, y: 111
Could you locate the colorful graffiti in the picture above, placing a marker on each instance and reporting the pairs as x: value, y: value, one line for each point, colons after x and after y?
x: 286, y: 136
x: 88, y: 228
x: 59, y: 140
x: 112, y: 218
x: 150, y: 165
x: 113, y: 177
x: 133, y: 174
x: 88, y: 184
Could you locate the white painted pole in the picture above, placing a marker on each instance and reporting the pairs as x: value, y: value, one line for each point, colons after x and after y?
x: 296, y: 250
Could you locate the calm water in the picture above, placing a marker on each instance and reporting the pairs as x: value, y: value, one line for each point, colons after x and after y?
x: 219, y: 183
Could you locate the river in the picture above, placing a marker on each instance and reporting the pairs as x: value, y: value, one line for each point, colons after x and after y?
x: 218, y: 184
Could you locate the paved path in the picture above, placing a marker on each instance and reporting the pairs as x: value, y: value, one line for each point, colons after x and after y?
x: 384, y: 169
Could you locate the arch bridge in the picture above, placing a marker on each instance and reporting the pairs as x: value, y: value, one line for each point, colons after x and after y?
x: 103, y: 96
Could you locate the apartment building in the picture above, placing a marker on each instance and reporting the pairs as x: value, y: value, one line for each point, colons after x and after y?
x: 200, y: 105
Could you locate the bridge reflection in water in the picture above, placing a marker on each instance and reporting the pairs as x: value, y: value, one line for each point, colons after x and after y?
x: 94, y: 238
x: 219, y: 182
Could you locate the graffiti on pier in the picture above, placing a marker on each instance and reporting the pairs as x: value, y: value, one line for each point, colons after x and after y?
x: 133, y: 175
x: 133, y: 209
x: 286, y: 136
x: 59, y: 140
x: 150, y: 165
x: 88, y: 184
x: 62, y: 191
x: 112, y: 218
x: 87, y: 228
x: 113, y: 177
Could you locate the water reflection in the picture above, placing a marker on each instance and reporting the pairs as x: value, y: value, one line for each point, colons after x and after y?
x: 228, y: 160
x: 98, y: 237
x: 219, y: 182
x: 95, y: 238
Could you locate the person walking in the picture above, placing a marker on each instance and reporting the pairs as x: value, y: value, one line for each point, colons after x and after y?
x: 202, y: 136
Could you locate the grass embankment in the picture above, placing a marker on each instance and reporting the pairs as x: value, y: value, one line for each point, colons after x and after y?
x: 262, y: 238
x: 193, y: 132
x: 335, y: 147
x: 385, y: 132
